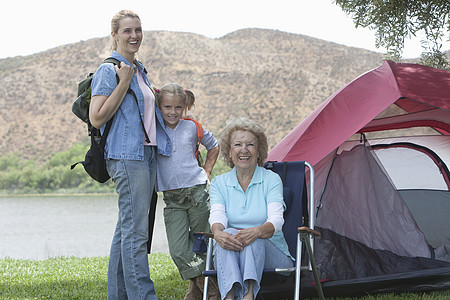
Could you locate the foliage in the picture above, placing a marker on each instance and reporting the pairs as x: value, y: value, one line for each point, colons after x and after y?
x: 25, y: 176
x: 396, y: 20
x: 86, y: 278
x: 18, y: 175
x: 436, y: 60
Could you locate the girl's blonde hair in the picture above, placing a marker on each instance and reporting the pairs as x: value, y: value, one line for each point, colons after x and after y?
x: 174, y: 89
x: 115, y: 24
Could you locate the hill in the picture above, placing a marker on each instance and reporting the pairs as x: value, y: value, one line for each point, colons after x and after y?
x: 275, y: 77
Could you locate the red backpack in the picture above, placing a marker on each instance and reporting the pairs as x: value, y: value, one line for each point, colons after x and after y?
x: 198, y: 156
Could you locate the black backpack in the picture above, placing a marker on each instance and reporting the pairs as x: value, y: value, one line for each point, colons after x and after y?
x: 94, y: 162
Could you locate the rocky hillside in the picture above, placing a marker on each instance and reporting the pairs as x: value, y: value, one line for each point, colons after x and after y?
x: 274, y: 77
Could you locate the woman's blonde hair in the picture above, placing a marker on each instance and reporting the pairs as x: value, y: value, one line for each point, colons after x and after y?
x: 115, y: 24
x: 245, y: 124
x: 174, y: 89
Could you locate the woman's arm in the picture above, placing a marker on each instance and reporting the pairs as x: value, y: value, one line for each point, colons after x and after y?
x: 211, y: 157
x: 102, y: 108
x: 275, y: 216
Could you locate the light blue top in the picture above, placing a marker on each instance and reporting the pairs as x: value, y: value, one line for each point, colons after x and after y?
x: 249, y: 209
x: 181, y: 169
x: 126, y: 136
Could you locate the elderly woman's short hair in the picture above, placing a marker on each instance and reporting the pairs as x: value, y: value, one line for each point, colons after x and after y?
x: 245, y: 124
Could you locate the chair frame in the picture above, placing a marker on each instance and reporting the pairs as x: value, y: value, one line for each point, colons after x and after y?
x: 305, y: 234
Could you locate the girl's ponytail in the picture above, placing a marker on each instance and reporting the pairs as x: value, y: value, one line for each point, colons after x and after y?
x: 190, y: 99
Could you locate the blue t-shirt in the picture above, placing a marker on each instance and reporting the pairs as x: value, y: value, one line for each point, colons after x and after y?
x: 249, y: 209
x: 181, y: 169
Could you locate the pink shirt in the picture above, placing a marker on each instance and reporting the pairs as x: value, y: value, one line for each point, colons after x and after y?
x: 149, y: 112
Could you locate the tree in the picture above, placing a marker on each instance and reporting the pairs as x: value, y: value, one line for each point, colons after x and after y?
x: 396, y: 20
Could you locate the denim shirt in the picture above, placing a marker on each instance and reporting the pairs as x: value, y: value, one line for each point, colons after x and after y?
x: 126, y: 136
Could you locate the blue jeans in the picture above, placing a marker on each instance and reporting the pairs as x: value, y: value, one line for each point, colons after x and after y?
x: 128, y: 270
x: 236, y: 268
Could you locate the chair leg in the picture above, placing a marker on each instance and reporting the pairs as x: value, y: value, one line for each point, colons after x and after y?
x: 297, y: 267
x: 205, y: 289
x: 305, y: 237
x: 208, y: 267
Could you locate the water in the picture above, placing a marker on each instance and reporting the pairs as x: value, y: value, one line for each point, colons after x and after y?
x: 41, y: 227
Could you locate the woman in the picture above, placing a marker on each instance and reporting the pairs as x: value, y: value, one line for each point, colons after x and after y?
x: 246, y: 213
x: 130, y: 152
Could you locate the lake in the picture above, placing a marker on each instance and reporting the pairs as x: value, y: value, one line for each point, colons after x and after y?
x: 41, y: 227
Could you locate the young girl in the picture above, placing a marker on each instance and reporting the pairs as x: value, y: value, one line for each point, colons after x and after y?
x: 184, y: 183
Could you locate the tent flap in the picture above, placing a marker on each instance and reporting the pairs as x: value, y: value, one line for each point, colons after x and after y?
x: 359, y: 202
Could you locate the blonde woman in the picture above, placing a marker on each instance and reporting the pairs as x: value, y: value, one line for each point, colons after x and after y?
x: 136, y: 135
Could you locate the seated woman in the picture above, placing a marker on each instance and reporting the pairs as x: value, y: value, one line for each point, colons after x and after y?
x: 246, y: 213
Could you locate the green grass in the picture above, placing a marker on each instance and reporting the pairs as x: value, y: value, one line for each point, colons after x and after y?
x: 85, y: 278
x: 58, y: 278
x: 79, y: 278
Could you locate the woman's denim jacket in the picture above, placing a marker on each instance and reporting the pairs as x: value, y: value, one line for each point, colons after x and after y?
x: 126, y: 136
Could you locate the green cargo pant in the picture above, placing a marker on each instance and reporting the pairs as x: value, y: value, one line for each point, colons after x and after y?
x: 186, y: 212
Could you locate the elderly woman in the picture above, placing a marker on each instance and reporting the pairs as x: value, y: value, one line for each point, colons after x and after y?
x: 246, y: 213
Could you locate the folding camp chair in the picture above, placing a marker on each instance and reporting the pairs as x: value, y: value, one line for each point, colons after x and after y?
x: 295, y: 228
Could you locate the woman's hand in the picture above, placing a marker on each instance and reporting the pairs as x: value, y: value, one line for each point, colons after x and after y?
x: 248, y: 235
x: 226, y: 240
x: 243, y: 238
x: 125, y: 73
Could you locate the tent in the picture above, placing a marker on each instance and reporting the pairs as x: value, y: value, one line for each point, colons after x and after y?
x: 380, y: 147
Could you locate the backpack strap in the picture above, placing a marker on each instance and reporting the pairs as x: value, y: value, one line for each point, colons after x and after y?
x: 112, y: 60
x: 116, y: 62
x: 199, y: 134
x: 147, y: 139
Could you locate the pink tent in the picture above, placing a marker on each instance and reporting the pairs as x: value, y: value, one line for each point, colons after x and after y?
x: 422, y: 93
x: 382, y: 204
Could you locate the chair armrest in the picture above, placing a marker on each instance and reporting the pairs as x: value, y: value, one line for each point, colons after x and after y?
x: 305, y: 229
x: 207, y: 234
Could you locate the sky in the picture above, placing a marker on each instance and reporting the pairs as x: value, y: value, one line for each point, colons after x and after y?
x: 32, y: 26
